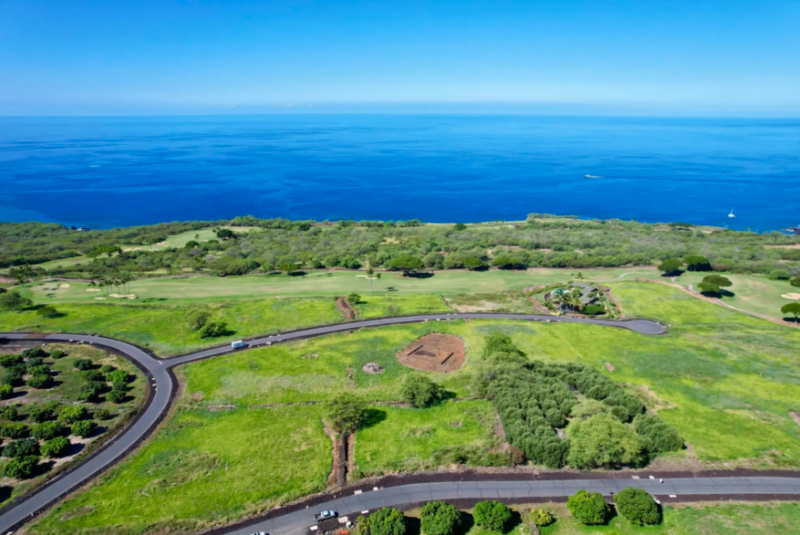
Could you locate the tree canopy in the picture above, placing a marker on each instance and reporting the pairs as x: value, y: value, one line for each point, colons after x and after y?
x: 346, y: 413
x: 419, y: 391
x: 603, y: 442
x: 492, y: 515
x: 637, y: 506
x: 589, y: 508
x: 439, y: 518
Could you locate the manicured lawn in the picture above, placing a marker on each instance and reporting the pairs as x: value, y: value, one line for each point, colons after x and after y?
x: 204, y: 468
x: 66, y: 391
x: 406, y: 439
x: 328, y: 283
x: 164, y: 329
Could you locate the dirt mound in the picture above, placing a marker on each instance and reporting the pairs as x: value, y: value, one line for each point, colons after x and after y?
x: 372, y: 368
x: 435, y: 352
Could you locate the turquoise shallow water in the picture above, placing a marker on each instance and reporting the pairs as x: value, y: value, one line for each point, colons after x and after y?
x: 107, y: 172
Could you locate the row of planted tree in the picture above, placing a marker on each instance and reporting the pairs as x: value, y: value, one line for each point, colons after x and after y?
x: 441, y: 518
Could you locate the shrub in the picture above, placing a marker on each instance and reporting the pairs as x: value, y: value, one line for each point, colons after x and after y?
x: 603, y: 441
x: 15, y: 430
x: 353, y: 298
x: 197, y: 319
x: 594, y: 310
x: 91, y: 392
x: 48, y: 311
x: 419, y: 391
x: 41, y: 381
x: 21, y: 448
x: 118, y: 377
x: 795, y: 281
x: 48, y: 430
x: 638, y: 507
x: 34, y: 362
x: 14, y: 301
x: 670, y: 266
x: 7, y: 361
x: 10, y: 413
x: 84, y: 428
x: 73, y: 413
x: 116, y: 396
x: 387, y: 521
x: 103, y: 414
x: 21, y: 468
x: 439, y: 518
x: 42, y: 413
x: 588, y: 408
x: 346, y: 413
x: 6, y: 391
x: 656, y: 436
x: 42, y: 369
x: 107, y: 368
x: 492, y: 515
x: 588, y: 508
x: 779, y: 275
x: 57, y: 354
x: 34, y: 353
x: 92, y: 375
x: 83, y: 364
x: 542, y: 517
x: 56, y: 447
x: 214, y: 329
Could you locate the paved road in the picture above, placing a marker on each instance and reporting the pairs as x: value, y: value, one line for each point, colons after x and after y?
x: 163, y: 384
x: 352, y: 504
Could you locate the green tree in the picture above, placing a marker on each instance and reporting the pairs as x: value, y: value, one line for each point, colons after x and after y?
x: 13, y: 301
x: 73, y: 413
x: 84, y: 428
x: 713, y: 283
x: 406, y: 264
x: 387, y: 521
x: 602, y: 441
x: 288, y: 267
x: 214, y: 329
x: 21, y: 448
x: 83, y: 364
x: 795, y: 281
x: 116, y: 396
x: 697, y: 263
x: 510, y: 261
x: 439, y: 518
x: 226, y: 234
x: 23, y: 468
x: 492, y: 515
x: 41, y: 381
x: 670, y: 266
x: 56, y: 447
x: 15, y: 430
x: 48, y: 430
x: 6, y: 391
x: 346, y: 413
x: 793, y: 309
x: 459, y: 226
x: 474, y: 263
x: 47, y: 311
x: 588, y: 508
x: 419, y: 391
x: 197, y: 319
x: 353, y: 298
x: 638, y: 507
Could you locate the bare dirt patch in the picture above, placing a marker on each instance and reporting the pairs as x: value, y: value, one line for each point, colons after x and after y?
x: 610, y: 367
x: 434, y: 352
x: 372, y: 368
x: 793, y: 246
x: 796, y: 416
x: 480, y: 306
x: 650, y: 399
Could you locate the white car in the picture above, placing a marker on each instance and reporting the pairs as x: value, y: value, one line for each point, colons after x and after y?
x: 260, y: 533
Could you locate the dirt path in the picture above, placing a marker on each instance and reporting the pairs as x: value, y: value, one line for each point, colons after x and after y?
x: 345, y: 308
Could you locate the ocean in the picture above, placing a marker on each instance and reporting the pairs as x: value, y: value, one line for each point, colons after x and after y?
x: 119, y: 171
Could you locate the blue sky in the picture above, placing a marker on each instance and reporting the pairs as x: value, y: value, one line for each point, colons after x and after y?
x: 202, y: 56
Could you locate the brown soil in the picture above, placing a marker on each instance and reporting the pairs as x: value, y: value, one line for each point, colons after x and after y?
x: 796, y: 416
x: 610, y: 367
x: 338, y: 474
x: 348, y: 311
x: 434, y: 352
x: 794, y: 246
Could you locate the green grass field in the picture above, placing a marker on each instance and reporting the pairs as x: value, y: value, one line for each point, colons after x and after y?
x: 405, y: 439
x: 164, y: 328
x: 204, y: 468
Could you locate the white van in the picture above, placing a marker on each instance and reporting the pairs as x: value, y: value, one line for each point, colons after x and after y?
x: 237, y: 344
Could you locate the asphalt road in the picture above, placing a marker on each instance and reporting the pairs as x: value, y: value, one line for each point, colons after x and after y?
x: 163, y: 384
x: 351, y: 505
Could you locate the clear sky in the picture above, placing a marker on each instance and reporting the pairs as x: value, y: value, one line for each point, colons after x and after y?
x: 188, y: 56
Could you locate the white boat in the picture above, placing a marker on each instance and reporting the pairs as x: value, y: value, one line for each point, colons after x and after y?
x: 592, y: 176
x: 731, y: 215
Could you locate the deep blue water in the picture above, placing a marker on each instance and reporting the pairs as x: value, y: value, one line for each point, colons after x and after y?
x: 107, y: 172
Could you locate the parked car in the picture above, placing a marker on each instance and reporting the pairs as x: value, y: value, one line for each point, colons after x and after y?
x: 238, y: 343
x: 326, y: 514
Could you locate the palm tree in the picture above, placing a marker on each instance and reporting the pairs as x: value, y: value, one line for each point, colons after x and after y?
x: 370, y: 272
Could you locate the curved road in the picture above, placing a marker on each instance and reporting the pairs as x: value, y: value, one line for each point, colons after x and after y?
x: 163, y: 385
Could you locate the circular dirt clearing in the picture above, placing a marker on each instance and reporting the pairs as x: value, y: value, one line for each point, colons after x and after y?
x: 792, y: 296
x: 434, y: 353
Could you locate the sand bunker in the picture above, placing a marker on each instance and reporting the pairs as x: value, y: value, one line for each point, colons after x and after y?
x: 123, y: 296
x: 100, y: 298
x: 435, y: 352
x: 92, y: 289
x: 63, y: 285
x: 792, y: 296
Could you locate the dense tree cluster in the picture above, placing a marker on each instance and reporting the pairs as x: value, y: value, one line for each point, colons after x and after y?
x: 408, y: 247
x: 534, y: 399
